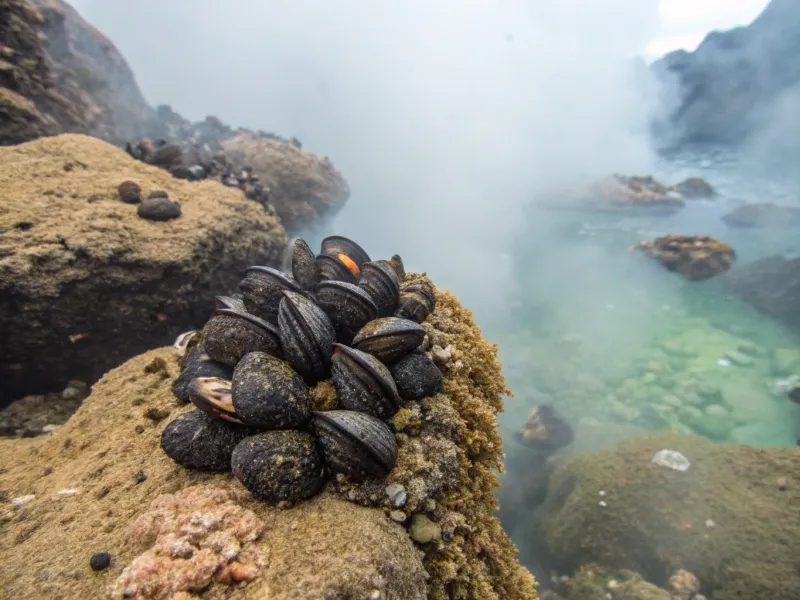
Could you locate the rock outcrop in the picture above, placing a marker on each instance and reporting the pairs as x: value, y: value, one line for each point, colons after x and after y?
x: 101, y: 483
x: 85, y: 283
x: 729, y: 519
x: 728, y: 88
x: 771, y: 285
x: 696, y: 257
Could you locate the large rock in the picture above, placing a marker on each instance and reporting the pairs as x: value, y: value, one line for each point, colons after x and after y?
x: 771, y: 285
x: 731, y: 519
x: 85, y: 283
x: 763, y: 215
x: 728, y: 87
x: 304, y: 189
x: 101, y: 483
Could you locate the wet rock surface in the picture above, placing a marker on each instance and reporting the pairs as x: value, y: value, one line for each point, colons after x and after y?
x: 771, y: 285
x: 122, y: 284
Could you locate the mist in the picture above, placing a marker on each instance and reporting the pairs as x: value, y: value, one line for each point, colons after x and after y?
x: 444, y: 117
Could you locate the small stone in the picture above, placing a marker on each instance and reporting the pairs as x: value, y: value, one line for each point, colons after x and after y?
x: 130, y: 192
x: 70, y: 492
x: 441, y: 355
x: 100, y: 561
x: 157, y: 194
x: 783, y: 483
x: 196, y: 172
x: 375, y: 595
x: 738, y: 358
x: 710, y: 523
x: 20, y: 500
x: 603, y: 503
x: 71, y: 393
x: 672, y: 460
x: 159, y: 209
x: 139, y: 429
x: 424, y: 531
x: 140, y: 477
x: 398, y: 516
x: 49, y: 428
x: 397, y: 495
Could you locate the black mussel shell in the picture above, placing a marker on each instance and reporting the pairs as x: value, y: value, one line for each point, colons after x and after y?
x: 332, y: 268
x: 262, y: 291
x: 212, y: 395
x: 279, y: 465
x: 337, y: 244
x: 348, y: 306
x: 230, y: 334
x: 304, y: 265
x: 417, y: 300
x: 230, y: 302
x: 198, y: 364
x: 307, y: 337
x: 380, y: 281
x: 267, y: 393
x: 355, y: 443
x: 399, y: 268
x: 389, y: 339
x: 416, y: 377
x: 196, y: 440
x: 363, y: 383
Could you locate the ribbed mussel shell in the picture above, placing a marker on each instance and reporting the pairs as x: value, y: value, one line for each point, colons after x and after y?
x: 198, y: 364
x: 380, y: 281
x: 389, y: 339
x: 332, y: 268
x: 307, y: 336
x: 212, y: 395
x: 304, y: 265
x: 348, y: 306
x: 232, y: 333
x: 355, y: 443
x: 417, y: 300
x: 363, y: 383
x: 262, y: 291
x: 338, y: 244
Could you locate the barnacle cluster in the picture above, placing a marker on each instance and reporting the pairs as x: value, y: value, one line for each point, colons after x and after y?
x: 251, y: 373
x: 696, y: 257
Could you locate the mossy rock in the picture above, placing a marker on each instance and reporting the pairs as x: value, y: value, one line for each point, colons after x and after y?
x: 655, y: 519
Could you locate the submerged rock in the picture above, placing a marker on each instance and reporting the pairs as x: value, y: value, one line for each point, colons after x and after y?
x: 695, y: 257
x: 68, y: 242
x: 766, y: 215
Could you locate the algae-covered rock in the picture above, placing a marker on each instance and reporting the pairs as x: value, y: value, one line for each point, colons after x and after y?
x: 304, y: 189
x: 695, y: 257
x: 771, y: 285
x: 169, y: 529
x: 85, y: 283
x: 725, y: 519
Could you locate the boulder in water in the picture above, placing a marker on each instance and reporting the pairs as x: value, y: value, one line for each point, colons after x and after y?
x: 695, y: 257
x: 766, y: 215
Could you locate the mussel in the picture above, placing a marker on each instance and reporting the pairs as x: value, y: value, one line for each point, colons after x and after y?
x: 380, y: 281
x: 348, y: 306
x: 355, y: 443
x: 186, y: 342
x: 307, y: 336
x: 363, y: 383
x: 262, y: 291
x: 231, y: 333
x: 212, y: 395
x: 417, y: 300
x: 416, y: 376
x: 279, y: 465
x: 389, y: 339
x: 266, y: 392
x: 337, y: 268
x: 338, y: 245
x: 304, y: 265
x: 399, y: 268
x: 198, y: 364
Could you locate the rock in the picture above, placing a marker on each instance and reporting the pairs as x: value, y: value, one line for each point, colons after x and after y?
x: 130, y: 192
x: 73, y: 252
x: 771, y: 285
x: 766, y: 215
x: 100, y: 561
x: 304, y: 189
x: 424, y: 531
x: 739, y: 358
x: 648, y: 508
x: 726, y: 89
x: 695, y: 257
x: 328, y: 546
x: 695, y: 187
x: 159, y: 209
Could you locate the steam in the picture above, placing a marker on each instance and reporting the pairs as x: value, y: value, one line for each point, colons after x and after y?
x: 445, y: 117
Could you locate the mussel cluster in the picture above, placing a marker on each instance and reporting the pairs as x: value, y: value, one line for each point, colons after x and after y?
x: 338, y: 316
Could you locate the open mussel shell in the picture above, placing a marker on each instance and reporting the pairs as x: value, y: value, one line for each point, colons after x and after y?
x: 380, y: 281
x: 417, y: 300
x: 304, y: 265
x: 348, y: 306
x: 212, y: 395
x: 279, y: 466
x: 230, y: 334
x: 334, y: 268
x: 337, y: 244
x: 363, y: 383
x: 355, y: 443
x: 397, y: 265
x: 307, y: 336
x: 198, y: 364
x: 262, y: 291
x: 267, y: 393
x: 230, y: 302
x: 197, y: 440
x: 186, y: 342
x: 389, y: 339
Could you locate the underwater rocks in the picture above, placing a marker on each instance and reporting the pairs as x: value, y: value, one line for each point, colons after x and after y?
x: 771, y: 285
x: 644, y: 522
x: 545, y: 431
x: 695, y: 257
x: 352, y: 539
x: 121, y: 284
x: 765, y: 215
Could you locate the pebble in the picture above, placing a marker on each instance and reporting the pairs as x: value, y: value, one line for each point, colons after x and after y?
x: 398, y: 516
x: 424, y: 531
x: 20, y: 500
x: 100, y: 561
x: 672, y: 460
x: 397, y: 495
x: 159, y: 209
x: 157, y: 194
x: 710, y: 523
x: 140, y: 477
x: 130, y: 192
x: 441, y: 355
x: 375, y: 595
x: 70, y: 492
x: 71, y: 393
x: 783, y: 483
x: 49, y: 428
x: 740, y: 359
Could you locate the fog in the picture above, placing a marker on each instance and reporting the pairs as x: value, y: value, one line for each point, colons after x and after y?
x: 444, y: 117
